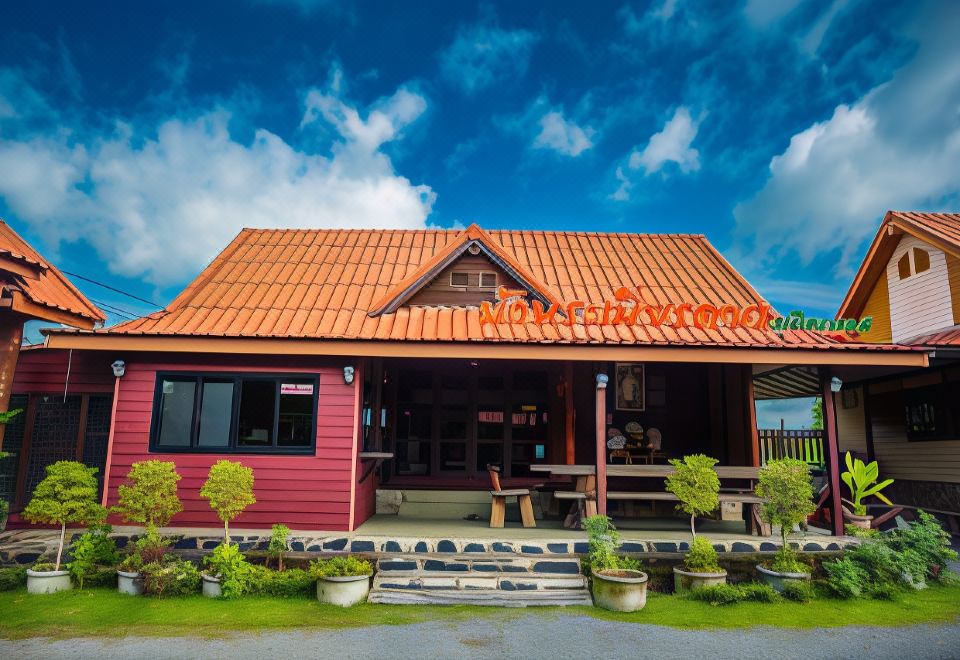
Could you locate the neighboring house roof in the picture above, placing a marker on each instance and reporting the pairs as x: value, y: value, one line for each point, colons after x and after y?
x: 948, y: 337
x: 343, y: 284
x: 37, y: 289
x: 941, y: 230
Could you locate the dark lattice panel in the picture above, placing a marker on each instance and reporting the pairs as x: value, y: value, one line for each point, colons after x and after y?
x: 54, y: 438
x: 12, y: 444
x: 97, y: 433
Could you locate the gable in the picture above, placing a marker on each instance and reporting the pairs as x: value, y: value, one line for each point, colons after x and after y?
x: 878, y: 307
x: 919, y: 289
x: 444, y: 289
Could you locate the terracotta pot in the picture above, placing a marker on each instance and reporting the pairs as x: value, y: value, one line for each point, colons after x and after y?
x: 687, y: 581
x: 345, y: 590
x: 130, y: 583
x: 48, y: 582
x: 863, y: 522
x: 779, y: 580
x: 619, y: 590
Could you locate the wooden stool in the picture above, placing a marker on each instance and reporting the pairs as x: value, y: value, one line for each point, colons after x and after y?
x: 499, y: 505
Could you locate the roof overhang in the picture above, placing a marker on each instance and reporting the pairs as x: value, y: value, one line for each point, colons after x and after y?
x: 906, y: 357
x: 20, y: 304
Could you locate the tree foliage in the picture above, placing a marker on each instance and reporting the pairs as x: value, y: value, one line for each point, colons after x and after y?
x: 278, y: 545
x: 229, y: 488
x: 787, y: 492
x: 151, y: 498
x: 68, y: 494
x: 696, y: 485
x: 816, y: 411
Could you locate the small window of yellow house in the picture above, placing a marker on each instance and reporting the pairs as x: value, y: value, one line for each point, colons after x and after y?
x: 921, y: 260
x: 903, y: 266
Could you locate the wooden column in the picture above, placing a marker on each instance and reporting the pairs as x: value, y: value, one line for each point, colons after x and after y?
x: 833, y: 451
x: 11, y: 336
x: 568, y: 421
x: 601, y: 426
x: 752, y: 433
x: 867, y: 422
x: 110, y: 434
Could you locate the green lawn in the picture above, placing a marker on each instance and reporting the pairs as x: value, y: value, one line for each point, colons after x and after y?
x: 102, y: 612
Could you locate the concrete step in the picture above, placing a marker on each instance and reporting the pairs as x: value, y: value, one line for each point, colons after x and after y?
x: 455, y: 510
x: 524, y: 582
x: 478, y: 564
x: 489, y: 597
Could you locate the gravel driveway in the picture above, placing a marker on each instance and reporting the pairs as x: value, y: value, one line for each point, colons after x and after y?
x: 528, y: 635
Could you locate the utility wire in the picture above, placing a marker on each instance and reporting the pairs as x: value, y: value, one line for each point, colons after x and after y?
x: 130, y: 316
x: 107, y: 286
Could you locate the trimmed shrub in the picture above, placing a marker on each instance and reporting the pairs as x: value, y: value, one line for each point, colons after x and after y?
x: 702, y: 557
x: 290, y: 583
x: 846, y: 578
x: 12, y: 578
x: 728, y: 594
x: 341, y: 567
x: 759, y: 592
x: 91, y: 552
x: 229, y: 489
x: 171, y: 577
x: 800, y: 591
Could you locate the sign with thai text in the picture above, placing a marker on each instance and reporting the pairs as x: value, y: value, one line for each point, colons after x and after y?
x: 296, y: 388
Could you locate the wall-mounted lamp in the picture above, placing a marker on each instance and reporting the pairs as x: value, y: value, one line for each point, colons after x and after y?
x: 119, y: 368
x: 602, y: 380
x: 348, y: 375
x: 835, y: 384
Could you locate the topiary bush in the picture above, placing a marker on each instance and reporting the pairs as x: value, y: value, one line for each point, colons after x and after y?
x: 787, y: 491
x: 151, y: 497
x: 702, y: 557
x: 696, y: 485
x: 278, y: 545
x: 229, y: 489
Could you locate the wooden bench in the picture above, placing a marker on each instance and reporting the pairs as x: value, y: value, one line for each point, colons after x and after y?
x: 498, y: 506
x: 583, y: 495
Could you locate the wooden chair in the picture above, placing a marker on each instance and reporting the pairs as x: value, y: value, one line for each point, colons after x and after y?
x: 499, y: 505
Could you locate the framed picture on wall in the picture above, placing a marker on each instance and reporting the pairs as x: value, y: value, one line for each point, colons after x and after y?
x: 630, y: 386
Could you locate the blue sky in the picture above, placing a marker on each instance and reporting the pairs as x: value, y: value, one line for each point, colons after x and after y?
x: 135, y: 141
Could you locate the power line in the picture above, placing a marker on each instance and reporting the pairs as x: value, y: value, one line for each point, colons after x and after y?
x: 130, y: 316
x: 107, y: 286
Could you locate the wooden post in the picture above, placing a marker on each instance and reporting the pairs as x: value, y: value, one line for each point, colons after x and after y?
x: 568, y: 421
x: 11, y: 336
x: 833, y: 451
x: 602, y: 380
x: 867, y: 423
x: 110, y: 434
x: 752, y: 418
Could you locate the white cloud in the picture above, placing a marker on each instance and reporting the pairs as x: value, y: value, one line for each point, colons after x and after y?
x: 562, y: 135
x: 484, y: 53
x: 897, y: 147
x: 622, y: 193
x: 160, y: 203
x: 670, y: 145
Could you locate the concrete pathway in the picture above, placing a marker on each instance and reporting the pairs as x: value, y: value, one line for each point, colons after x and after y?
x: 528, y: 635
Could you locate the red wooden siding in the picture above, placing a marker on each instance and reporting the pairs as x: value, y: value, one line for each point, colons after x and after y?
x: 303, y: 492
x: 44, y: 371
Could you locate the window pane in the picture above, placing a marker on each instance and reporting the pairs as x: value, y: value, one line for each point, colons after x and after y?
x: 176, y: 412
x: 216, y: 409
x: 296, y: 414
x: 255, y: 421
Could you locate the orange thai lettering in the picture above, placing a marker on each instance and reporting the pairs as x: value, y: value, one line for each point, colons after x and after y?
x: 705, y: 315
x: 540, y: 316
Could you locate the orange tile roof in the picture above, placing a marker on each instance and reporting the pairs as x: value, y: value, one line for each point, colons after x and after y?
x: 941, y: 230
x: 37, y: 288
x: 325, y: 284
x: 948, y: 337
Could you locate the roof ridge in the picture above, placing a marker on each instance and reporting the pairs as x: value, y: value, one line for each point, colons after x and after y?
x: 457, y: 231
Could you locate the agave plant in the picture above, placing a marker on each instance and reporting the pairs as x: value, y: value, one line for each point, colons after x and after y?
x: 861, y: 479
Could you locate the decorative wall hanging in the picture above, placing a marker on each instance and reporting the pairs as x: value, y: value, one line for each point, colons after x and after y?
x: 629, y: 377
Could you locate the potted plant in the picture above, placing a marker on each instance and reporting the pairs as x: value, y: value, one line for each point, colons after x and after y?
x: 151, y: 500
x: 861, y: 479
x: 787, y: 491
x: 342, y: 581
x: 93, y: 554
x: 228, y: 573
x: 617, y: 582
x: 278, y: 546
x: 229, y: 489
x: 68, y: 494
x: 697, y: 486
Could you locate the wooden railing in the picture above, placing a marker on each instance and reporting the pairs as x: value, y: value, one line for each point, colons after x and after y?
x: 806, y: 445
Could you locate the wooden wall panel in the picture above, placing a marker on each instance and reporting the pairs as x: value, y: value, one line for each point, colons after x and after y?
x: 44, y: 371
x: 851, y: 427
x: 440, y: 292
x: 878, y: 306
x: 953, y: 275
x: 920, y: 303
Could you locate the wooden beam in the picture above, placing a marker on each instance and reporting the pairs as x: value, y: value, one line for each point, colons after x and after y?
x: 11, y: 336
x: 568, y: 412
x: 867, y: 422
x: 82, y: 426
x: 601, y: 427
x: 753, y: 433
x: 31, y: 413
x: 487, y: 350
x: 833, y: 451
x: 29, y: 308
x: 113, y: 425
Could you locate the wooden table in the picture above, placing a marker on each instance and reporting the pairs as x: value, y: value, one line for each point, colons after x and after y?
x: 584, y: 492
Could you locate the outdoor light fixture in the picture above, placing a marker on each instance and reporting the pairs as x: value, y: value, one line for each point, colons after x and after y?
x: 602, y: 380
x: 348, y: 375
x: 119, y: 368
x: 835, y: 384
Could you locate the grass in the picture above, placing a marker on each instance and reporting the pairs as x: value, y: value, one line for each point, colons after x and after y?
x: 105, y: 613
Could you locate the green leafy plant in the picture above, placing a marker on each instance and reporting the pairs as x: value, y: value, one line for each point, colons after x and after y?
x: 800, y: 591
x: 150, y: 548
x: 846, y: 578
x: 342, y: 566
x: 151, y: 497
x: 702, y: 557
x: 230, y: 565
x: 759, y: 592
x: 925, y: 542
x: 291, y: 583
x: 229, y: 488
x: 7, y: 416
x: 696, y: 485
x: 12, y: 578
x: 90, y: 551
x: 603, y: 539
x: 170, y: 577
x: 787, y: 491
x: 278, y: 545
x: 785, y: 560
x: 728, y: 594
x: 68, y: 494
x: 861, y: 479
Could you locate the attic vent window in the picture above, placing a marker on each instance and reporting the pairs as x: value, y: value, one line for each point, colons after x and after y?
x: 488, y: 280
x: 920, y: 262
x: 459, y: 279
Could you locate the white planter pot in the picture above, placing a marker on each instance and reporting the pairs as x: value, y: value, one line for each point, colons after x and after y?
x: 779, y: 580
x: 48, y: 582
x: 619, y: 591
x: 130, y: 583
x: 687, y: 581
x: 343, y: 591
x: 863, y: 522
x: 211, y: 586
